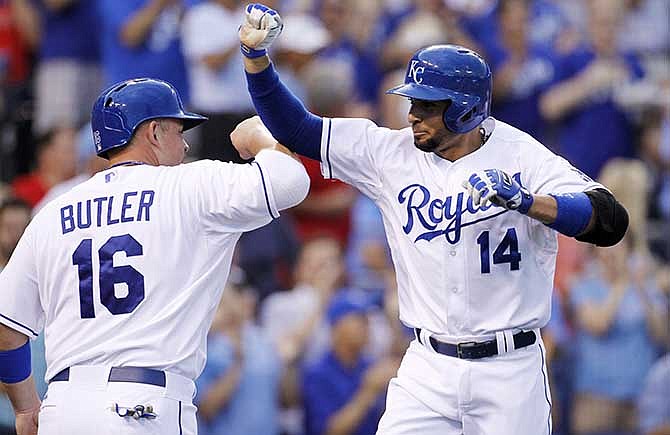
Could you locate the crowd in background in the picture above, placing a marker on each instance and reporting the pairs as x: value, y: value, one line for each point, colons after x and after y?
x: 307, y: 335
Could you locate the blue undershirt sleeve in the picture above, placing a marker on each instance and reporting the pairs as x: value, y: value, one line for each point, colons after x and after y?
x: 284, y: 114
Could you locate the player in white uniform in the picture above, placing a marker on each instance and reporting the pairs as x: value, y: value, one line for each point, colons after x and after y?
x: 124, y: 272
x: 470, y: 208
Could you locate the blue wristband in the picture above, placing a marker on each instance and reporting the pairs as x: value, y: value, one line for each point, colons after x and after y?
x: 252, y: 53
x: 15, y: 364
x: 573, y: 215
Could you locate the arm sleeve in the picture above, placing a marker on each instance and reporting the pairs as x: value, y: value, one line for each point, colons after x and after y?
x: 20, y: 306
x: 242, y: 197
x: 555, y: 175
x: 284, y: 114
x: 288, y: 177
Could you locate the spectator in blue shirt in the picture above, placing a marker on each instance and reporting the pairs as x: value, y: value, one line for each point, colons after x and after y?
x: 68, y: 77
x: 141, y: 38
x: 621, y: 319
x: 238, y: 391
x: 594, y: 126
x: 343, y: 393
x: 368, y: 255
x: 653, y: 406
x: 521, y: 69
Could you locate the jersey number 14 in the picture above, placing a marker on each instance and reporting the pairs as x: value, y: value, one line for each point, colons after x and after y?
x: 109, y: 275
x: 500, y: 255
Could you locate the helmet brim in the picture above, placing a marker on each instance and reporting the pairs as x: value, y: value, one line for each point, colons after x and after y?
x: 192, y: 120
x: 421, y: 92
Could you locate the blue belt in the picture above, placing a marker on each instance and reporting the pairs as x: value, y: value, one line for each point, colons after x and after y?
x: 139, y: 375
x: 476, y: 350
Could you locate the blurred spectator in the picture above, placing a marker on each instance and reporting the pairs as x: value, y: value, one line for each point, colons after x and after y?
x: 326, y: 210
x: 88, y: 163
x: 216, y: 74
x: 620, y: 313
x: 68, y: 77
x: 653, y: 407
x: 558, y: 340
x: 418, y: 25
x: 630, y: 180
x: 19, y: 35
x: 295, y: 322
x: 56, y: 162
x: 238, y: 391
x: 267, y: 256
x: 339, y: 18
x: 645, y: 27
x: 344, y: 392
x: 294, y: 318
x: 595, y: 128
x: 368, y: 255
x: 522, y: 70
x: 14, y: 218
x: 655, y: 152
x: 141, y: 38
x: 301, y: 40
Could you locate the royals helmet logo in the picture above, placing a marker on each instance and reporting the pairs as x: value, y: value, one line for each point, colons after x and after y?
x: 416, y: 72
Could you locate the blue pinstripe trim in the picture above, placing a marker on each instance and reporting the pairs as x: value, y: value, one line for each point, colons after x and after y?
x: 546, y: 393
x: 265, y: 190
x: 180, y: 430
x: 330, y: 167
x: 19, y: 324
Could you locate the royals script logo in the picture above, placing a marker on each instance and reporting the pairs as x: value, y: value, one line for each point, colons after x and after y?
x: 416, y: 72
x: 438, y: 216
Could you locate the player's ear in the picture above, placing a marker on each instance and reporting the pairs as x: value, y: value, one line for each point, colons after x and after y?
x: 152, y: 132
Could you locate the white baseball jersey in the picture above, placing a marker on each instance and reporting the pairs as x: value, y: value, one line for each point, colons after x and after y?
x: 128, y: 267
x: 462, y: 271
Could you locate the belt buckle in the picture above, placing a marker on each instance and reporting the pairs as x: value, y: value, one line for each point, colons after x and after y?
x: 466, y: 344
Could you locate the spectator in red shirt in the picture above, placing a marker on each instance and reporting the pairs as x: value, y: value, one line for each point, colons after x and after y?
x: 56, y: 161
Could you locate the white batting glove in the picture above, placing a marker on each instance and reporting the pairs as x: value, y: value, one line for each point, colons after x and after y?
x: 261, y: 27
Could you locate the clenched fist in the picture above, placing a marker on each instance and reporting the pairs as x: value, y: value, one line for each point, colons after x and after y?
x: 261, y: 27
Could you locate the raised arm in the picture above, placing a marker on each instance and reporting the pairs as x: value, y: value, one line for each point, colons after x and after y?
x: 286, y: 173
x: 282, y: 112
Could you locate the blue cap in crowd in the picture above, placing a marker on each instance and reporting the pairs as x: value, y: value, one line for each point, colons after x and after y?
x: 346, y: 302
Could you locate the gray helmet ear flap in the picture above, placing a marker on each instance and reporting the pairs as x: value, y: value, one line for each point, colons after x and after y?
x: 450, y: 72
x: 121, y: 108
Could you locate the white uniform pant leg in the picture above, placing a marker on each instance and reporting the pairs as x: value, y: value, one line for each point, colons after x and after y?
x: 406, y: 415
x: 437, y: 394
x: 509, y: 395
x: 85, y: 408
x: 423, y: 398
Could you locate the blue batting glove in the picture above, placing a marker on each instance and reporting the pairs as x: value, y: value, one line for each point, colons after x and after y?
x: 500, y: 189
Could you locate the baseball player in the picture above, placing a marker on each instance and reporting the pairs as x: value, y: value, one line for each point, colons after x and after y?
x: 471, y: 207
x: 124, y: 272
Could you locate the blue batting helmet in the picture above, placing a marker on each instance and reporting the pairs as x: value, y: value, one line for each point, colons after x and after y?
x: 122, y: 107
x: 454, y: 73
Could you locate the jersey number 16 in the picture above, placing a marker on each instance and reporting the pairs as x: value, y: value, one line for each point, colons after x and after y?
x: 108, y: 275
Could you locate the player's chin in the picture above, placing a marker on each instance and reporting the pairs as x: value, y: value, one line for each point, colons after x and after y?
x: 425, y: 145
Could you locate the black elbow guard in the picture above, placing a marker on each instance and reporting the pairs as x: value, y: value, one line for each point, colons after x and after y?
x: 611, y: 220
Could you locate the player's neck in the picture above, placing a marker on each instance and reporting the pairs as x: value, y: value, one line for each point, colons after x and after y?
x: 462, y: 145
x: 134, y: 156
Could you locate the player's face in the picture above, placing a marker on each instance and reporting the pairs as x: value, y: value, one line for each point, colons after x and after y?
x: 430, y: 134
x: 173, y: 146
